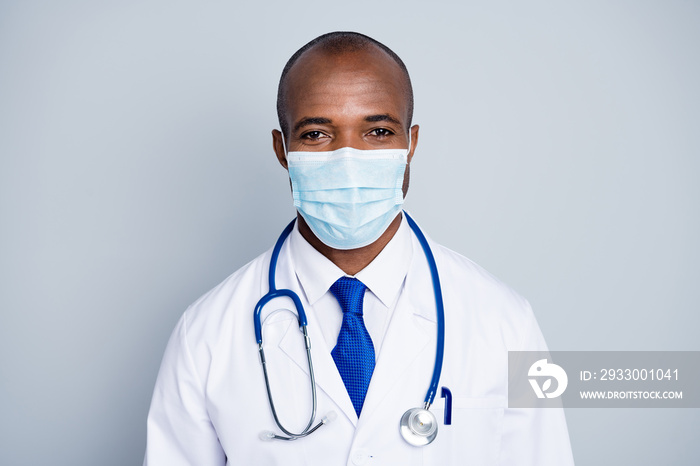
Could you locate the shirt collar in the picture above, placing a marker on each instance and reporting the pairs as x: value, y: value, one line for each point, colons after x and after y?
x: 383, y: 276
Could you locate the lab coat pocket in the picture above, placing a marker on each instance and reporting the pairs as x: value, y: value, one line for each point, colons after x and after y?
x: 474, y: 435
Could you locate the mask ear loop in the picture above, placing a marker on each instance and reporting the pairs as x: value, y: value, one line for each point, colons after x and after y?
x: 408, y: 151
x: 284, y: 146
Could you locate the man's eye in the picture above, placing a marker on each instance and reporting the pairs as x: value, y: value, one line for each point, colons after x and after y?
x: 381, y: 132
x: 312, y: 135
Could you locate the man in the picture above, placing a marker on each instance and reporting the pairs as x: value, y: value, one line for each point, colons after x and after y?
x: 345, y: 105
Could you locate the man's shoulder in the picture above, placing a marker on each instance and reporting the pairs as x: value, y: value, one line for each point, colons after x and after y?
x: 478, y: 299
x: 233, y: 292
x: 462, y: 269
x: 470, y: 282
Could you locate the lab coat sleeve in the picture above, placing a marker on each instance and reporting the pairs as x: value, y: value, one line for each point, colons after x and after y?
x: 179, y: 431
x: 535, y: 436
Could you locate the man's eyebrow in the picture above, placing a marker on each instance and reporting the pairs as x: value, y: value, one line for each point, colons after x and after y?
x: 311, y: 121
x: 383, y: 117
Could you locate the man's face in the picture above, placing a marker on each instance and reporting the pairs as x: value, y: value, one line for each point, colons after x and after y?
x: 354, y: 99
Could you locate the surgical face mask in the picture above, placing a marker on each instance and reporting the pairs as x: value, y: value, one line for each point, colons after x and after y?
x: 348, y: 197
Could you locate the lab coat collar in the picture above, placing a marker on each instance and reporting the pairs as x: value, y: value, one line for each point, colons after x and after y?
x: 315, y: 272
x: 384, y: 276
x: 423, y: 293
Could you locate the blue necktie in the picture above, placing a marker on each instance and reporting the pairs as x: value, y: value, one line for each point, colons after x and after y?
x: 354, y: 352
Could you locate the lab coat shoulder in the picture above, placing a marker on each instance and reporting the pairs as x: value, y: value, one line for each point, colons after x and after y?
x: 184, y: 422
x: 224, y: 314
x: 485, y: 301
x: 208, y: 310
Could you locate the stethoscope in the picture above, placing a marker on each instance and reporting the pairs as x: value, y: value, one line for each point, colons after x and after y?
x: 418, y: 426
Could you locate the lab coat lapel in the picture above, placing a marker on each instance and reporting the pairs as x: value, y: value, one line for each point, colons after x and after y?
x: 409, y: 344
x: 327, y: 376
x: 404, y: 342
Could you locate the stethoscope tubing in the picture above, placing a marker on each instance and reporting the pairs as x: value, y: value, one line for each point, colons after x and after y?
x: 440, y: 311
x: 274, y: 293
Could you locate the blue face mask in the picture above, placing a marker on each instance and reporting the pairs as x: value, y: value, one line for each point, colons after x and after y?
x: 348, y: 197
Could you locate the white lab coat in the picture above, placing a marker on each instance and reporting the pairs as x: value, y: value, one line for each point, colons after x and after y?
x: 210, y: 404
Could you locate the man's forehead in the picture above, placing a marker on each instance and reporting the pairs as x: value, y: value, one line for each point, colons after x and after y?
x: 320, y: 56
x: 331, y: 70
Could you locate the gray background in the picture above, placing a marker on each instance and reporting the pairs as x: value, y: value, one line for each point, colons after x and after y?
x: 558, y: 149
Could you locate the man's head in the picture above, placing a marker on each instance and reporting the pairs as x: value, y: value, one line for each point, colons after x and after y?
x: 336, y: 44
x: 342, y: 90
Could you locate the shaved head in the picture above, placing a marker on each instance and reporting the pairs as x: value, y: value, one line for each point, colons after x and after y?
x: 334, y: 44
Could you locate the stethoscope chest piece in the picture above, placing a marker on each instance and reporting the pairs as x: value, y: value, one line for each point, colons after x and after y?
x: 418, y: 426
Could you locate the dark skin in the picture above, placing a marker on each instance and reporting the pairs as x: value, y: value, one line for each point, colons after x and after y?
x: 354, y: 99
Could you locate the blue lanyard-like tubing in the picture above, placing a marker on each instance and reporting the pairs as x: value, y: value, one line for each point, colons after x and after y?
x: 274, y: 292
x: 440, y: 310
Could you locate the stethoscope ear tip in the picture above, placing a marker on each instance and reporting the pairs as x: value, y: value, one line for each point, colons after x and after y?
x: 266, y: 435
x: 330, y: 417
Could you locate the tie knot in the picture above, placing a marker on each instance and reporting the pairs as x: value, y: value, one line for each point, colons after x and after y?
x: 350, y: 293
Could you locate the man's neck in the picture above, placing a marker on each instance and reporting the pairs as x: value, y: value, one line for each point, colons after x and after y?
x: 350, y: 261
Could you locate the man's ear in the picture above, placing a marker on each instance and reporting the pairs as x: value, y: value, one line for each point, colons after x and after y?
x: 414, y: 141
x: 278, y: 147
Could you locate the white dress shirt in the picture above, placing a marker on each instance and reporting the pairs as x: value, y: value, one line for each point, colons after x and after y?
x: 384, y: 278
